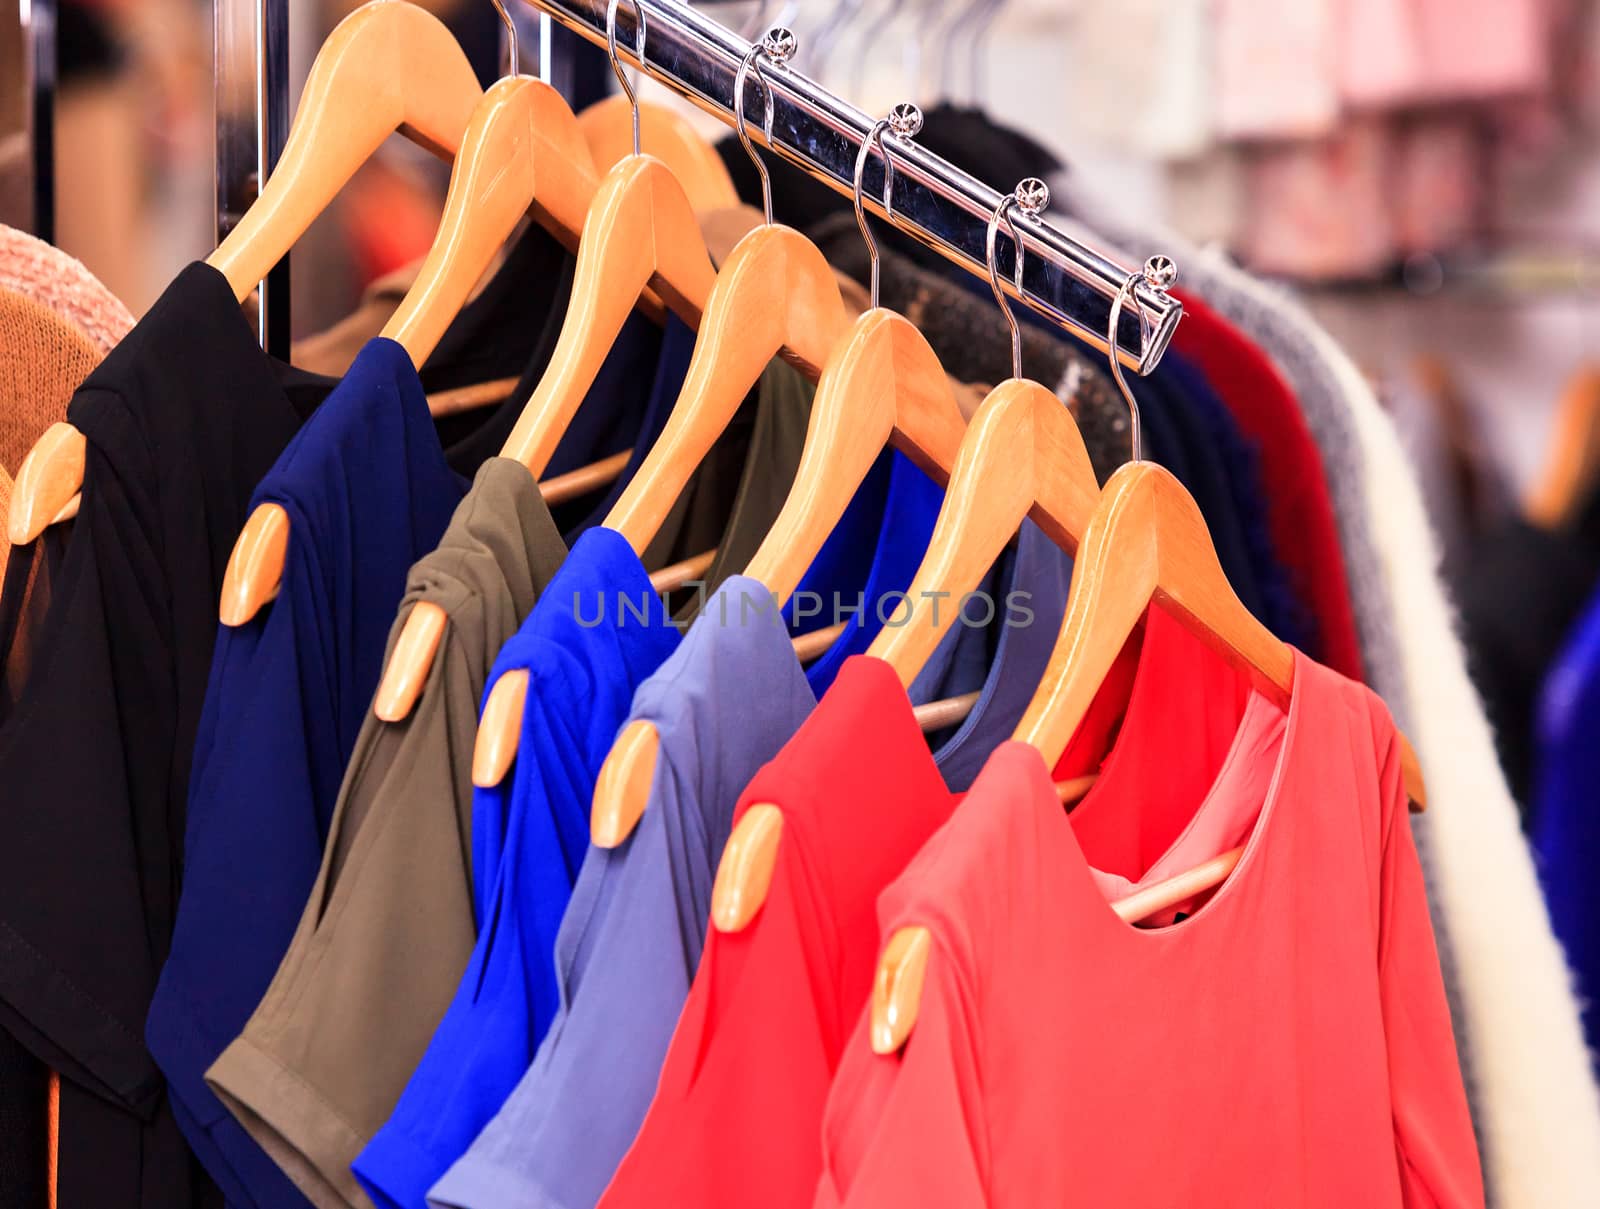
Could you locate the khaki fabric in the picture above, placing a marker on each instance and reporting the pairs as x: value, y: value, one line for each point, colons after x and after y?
x: 389, y: 925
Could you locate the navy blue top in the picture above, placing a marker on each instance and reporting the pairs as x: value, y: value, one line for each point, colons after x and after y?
x: 595, y: 635
x: 367, y: 491
x: 614, y: 412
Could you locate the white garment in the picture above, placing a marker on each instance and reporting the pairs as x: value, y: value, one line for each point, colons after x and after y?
x: 1539, y: 1104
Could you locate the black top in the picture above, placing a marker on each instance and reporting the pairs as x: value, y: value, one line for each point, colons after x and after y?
x: 182, y: 419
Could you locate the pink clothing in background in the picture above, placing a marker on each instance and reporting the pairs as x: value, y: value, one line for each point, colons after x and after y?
x: 1275, y: 69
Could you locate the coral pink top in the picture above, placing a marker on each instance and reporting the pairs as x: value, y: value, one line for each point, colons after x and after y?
x: 1287, y: 1044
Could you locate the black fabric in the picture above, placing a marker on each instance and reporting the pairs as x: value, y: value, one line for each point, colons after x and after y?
x: 182, y: 419
x: 24, y: 1127
x: 1523, y: 591
x: 506, y: 325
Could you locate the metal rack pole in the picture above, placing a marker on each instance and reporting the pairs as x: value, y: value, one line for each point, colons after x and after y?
x: 934, y: 201
x: 251, y: 52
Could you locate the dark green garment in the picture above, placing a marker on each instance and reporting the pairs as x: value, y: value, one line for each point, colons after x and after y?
x: 737, y: 492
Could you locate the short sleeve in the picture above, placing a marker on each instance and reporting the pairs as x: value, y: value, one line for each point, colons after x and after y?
x: 722, y: 1129
x: 907, y: 1129
x: 1434, y: 1143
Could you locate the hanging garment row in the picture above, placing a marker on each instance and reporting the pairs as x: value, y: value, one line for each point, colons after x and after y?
x: 657, y: 727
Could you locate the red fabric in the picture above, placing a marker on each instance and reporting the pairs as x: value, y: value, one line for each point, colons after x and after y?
x: 1300, y: 511
x: 1288, y: 1045
x: 735, y: 1117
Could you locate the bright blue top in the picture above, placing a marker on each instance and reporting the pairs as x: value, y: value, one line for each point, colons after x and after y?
x: 368, y: 492
x: 643, y: 907
x: 1563, y: 821
x: 595, y: 635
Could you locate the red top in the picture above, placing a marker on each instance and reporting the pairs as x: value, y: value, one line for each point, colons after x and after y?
x: 1300, y: 512
x: 735, y: 1117
x: 1289, y: 1044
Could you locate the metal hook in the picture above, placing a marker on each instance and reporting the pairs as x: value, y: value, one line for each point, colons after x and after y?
x: 904, y: 121
x: 1031, y: 196
x: 777, y: 46
x: 616, y: 60
x: 1158, y: 274
x: 515, y: 58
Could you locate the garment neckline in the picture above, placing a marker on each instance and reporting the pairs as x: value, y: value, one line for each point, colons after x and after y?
x: 1218, y: 908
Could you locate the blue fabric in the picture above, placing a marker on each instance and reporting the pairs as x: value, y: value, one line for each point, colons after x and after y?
x: 606, y: 422
x: 672, y: 348
x: 1004, y: 660
x: 634, y: 930
x: 1238, y: 461
x: 1564, y: 823
x: 595, y: 635
x: 900, y: 534
x: 367, y: 492
x: 841, y: 567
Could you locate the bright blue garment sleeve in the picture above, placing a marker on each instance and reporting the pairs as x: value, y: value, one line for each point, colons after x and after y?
x: 634, y: 930
x: 900, y: 536
x: 1564, y: 819
x: 595, y: 635
x: 367, y: 492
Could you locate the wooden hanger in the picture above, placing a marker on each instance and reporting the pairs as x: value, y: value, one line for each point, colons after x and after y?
x: 882, y: 382
x: 1572, y: 466
x: 522, y: 152
x: 1021, y: 456
x: 887, y: 385
x: 388, y: 66
x: 883, y: 385
x: 607, y: 127
x: 1147, y: 544
x: 775, y: 293
x: 640, y: 231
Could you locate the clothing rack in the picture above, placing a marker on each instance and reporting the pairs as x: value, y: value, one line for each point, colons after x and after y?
x: 251, y: 82
x: 253, y: 102
x: 933, y: 201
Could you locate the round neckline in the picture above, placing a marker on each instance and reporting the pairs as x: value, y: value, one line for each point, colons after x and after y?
x: 1243, y: 873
